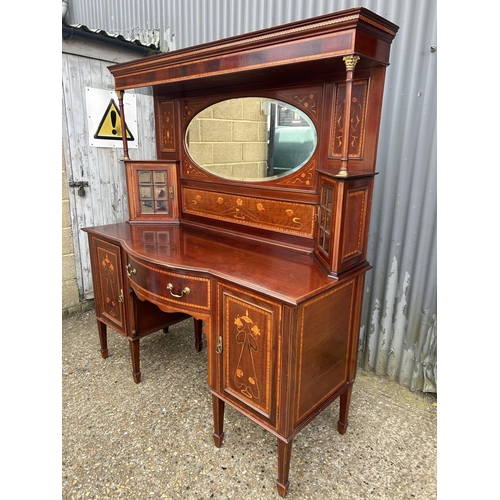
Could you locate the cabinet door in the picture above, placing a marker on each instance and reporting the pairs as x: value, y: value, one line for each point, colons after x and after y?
x: 248, y: 346
x: 343, y: 223
x: 152, y: 191
x: 108, y: 283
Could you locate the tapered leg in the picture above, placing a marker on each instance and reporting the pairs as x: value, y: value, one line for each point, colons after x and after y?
x: 198, y: 331
x: 103, y: 338
x: 284, y: 455
x: 218, y: 411
x: 134, y: 354
x: 345, y: 402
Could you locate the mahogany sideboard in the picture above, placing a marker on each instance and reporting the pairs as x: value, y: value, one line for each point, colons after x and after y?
x: 254, y: 217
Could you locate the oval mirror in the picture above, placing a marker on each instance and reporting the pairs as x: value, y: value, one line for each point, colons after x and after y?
x: 251, y: 139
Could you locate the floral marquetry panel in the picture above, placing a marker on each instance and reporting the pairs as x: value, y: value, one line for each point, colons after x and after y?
x: 249, y: 351
x: 357, y: 125
x: 109, y: 292
x: 167, y: 126
x: 309, y: 101
x: 283, y: 216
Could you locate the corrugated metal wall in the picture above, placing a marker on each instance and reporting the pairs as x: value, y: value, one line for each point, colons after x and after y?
x: 399, y: 323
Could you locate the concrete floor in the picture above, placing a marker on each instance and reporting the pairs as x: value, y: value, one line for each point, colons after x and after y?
x: 153, y: 440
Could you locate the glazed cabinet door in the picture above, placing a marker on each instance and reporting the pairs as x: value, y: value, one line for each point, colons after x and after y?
x: 108, y: 283
x: 247, y: 348
x: 343, y: 223
x: 152, y: 191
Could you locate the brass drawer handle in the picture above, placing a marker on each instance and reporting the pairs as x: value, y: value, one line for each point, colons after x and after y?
x: 185, y: 291
x: 130, y: 270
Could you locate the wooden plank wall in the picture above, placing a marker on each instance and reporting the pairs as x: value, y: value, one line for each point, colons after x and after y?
x: 84, y: 64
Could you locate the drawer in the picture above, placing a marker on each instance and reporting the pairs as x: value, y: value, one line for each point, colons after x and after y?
x: 166, y: 287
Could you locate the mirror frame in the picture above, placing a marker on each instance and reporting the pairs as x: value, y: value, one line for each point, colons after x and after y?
x: 262, y: 101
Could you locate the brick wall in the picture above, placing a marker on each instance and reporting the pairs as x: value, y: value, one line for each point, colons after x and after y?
x: 230, y: 139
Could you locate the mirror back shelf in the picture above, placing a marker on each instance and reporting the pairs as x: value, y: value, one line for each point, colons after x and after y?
x: 237, y: 176
x: 226, y: 179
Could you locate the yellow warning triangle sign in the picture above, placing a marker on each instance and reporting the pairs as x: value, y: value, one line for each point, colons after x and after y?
x: 111, y: 125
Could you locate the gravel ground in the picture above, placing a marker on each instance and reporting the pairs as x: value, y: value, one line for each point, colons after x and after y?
x: 122, y: 440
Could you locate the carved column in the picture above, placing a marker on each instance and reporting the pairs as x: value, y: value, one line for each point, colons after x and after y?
x: 350, y: 64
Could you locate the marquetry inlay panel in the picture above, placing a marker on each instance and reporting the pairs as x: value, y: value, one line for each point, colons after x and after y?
x: 307, y: 101
x: 283, y: 216
x: 247, y: 351
x: 167, y: 126
x: 190, y: 169
x: 110, y: 283
x: 357, y: 125
x: 191, y: 108
x: 303, y: 178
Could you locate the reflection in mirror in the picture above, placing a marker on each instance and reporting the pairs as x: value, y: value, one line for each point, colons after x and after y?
x: 251, y: 139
